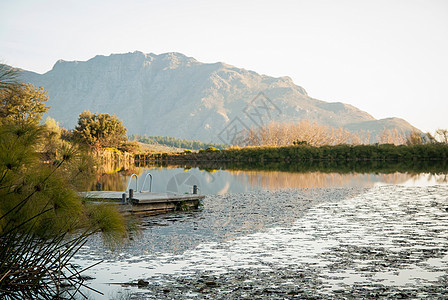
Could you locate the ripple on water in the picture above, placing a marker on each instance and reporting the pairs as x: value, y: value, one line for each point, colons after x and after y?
x: 333, y: 242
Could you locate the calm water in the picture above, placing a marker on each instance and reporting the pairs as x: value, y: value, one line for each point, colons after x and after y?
x: 280, y: 235
x: 219, y: 182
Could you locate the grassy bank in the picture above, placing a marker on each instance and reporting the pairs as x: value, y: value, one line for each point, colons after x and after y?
x: 378, y: 152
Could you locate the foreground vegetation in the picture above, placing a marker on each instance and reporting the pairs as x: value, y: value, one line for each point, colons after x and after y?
x: 42, y: 220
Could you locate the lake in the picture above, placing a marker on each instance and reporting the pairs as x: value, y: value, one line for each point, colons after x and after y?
x: 219, y: 182
x: 276, y: 234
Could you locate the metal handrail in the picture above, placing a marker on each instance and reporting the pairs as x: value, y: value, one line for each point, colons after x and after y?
x: 129, y: 183
x: 150, y: 182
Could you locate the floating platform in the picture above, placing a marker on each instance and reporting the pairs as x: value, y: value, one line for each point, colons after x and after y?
x: 147, y: 203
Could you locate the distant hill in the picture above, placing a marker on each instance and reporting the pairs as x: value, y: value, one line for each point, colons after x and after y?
x: 174, y: 95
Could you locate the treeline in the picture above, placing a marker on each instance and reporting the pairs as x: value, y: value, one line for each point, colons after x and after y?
x: 314, y: 134
x: 173, y: 142
x: 303, y: 152
x: 341, y: 152
x: 304, y: 132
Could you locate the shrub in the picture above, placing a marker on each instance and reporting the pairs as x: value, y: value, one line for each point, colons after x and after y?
x: 212, y: 149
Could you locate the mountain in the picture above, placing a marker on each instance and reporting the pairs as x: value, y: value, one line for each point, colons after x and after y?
x: 174, y: 95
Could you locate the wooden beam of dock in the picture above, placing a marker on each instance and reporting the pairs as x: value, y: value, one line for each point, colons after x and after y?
x: 148, y: 203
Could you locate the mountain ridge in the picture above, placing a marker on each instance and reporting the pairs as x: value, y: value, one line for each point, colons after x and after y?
x: 171, y: 94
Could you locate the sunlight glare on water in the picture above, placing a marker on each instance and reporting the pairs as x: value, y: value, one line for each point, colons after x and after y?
x: 339, y: 239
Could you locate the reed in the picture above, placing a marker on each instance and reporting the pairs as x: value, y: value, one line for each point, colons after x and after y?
x: 43, y: 223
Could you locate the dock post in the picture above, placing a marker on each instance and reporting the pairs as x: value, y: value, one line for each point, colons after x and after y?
x: 195, y: 189
x: 123, y: 198
x: 131, y: 194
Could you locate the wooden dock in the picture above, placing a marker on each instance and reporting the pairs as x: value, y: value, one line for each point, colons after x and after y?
x: 147, y: 203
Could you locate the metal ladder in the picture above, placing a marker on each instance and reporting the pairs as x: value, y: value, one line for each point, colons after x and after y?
x: 150, y: 183
x: 129, y: 183
x: 136, y: 183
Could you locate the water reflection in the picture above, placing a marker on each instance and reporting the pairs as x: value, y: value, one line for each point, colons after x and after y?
x: 343, y: 240
x: 217, y: 181
x: 114, y: 176
x: 244, y: 226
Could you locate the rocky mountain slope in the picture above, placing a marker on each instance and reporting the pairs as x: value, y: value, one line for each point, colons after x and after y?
x: 174, y: 95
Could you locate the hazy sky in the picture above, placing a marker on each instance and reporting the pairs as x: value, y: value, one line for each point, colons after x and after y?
x: 389, y: 58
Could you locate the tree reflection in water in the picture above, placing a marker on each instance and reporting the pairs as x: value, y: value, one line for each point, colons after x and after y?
x: 220, y: 178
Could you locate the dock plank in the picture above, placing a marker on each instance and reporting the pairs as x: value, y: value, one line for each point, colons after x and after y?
x: 141, y: 198
x: 147, y: 203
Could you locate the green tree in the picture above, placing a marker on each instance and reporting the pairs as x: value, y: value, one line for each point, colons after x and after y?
x: 22, y: 103
x: 100, y: 130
